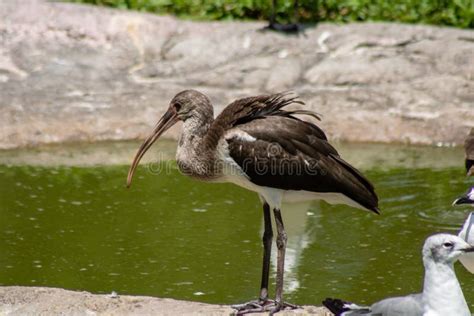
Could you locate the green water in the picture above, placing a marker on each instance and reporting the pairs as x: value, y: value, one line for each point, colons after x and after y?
x: 79, y: 228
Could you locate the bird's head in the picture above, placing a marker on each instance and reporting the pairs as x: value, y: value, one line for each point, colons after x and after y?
x: 467, y: 198
x: 186, y: 104
x: 445, y: 248
x: 191, y: 103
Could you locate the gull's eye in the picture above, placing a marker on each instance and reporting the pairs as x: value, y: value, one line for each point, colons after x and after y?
x: 448, y: 245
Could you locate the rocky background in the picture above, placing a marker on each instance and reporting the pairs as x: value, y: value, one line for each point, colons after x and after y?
x: 80, y: 73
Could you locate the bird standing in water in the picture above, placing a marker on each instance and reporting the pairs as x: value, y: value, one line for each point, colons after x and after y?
x: 257, y: 144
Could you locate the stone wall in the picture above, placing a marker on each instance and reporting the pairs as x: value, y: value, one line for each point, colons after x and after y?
x: 82, y: 73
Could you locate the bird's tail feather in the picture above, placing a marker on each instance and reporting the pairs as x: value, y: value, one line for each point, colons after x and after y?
x: 342, y: 308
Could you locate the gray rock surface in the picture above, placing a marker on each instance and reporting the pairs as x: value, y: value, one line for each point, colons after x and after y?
x: 21, y: 300
x: 81, y: 73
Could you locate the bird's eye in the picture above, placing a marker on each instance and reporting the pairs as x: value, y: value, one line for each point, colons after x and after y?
x: 448, y: 245
x: 177, y: 106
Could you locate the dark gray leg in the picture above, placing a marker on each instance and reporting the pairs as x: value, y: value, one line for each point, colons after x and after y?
x: 259, y: 305
x: 267, y: 251
x: 281, y: 246
x: 265, y: 304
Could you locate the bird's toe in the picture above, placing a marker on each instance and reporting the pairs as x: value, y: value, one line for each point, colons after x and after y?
x: 275, y: 307
x: 256, y: 306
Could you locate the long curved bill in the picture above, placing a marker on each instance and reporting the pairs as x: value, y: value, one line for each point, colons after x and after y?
x: 166, y: 121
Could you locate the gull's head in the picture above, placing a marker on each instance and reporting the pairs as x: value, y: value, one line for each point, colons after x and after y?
x: 467, y: 198
x: 445, y: 248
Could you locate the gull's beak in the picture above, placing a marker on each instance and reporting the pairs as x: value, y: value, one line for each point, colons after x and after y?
x: 469, y: 249
x: 463, y: 200
x: 166, y: 121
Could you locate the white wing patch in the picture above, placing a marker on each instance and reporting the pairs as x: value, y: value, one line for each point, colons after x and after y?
x: 239, y: 134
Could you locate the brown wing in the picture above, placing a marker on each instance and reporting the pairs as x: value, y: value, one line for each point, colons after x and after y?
x: 245, y: 110
x: 288, y: 154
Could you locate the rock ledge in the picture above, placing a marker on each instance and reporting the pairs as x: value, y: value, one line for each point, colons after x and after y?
x: 73, y: 72
x: 20, y: 300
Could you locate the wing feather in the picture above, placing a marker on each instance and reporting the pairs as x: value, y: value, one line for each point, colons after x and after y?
x: 249, y: 109
x: 284, y: 159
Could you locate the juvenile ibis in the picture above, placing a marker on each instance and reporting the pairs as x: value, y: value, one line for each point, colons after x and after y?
x: 469, y: 148
x: 257, y: 144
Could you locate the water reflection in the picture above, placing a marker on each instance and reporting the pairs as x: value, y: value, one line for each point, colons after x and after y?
x: 295, y: 217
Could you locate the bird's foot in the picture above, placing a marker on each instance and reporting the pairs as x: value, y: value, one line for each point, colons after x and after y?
x: 279, y: 306
x: 262, y: 305
x: 255, y: 306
